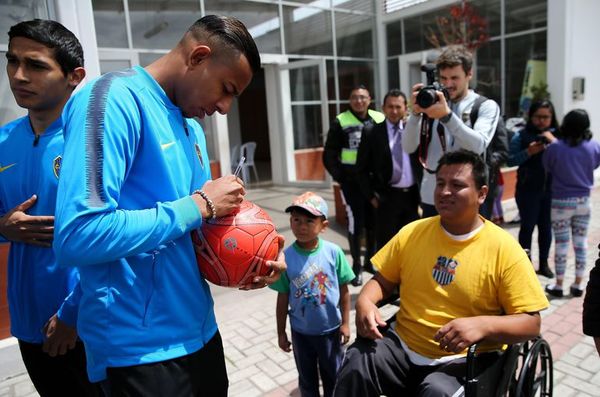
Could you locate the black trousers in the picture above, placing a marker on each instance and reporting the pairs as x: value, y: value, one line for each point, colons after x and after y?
x: 360, y: 216
x: 397, y: 207
x: 317, y: 355
x: 534, y: 210
x: 59, y: 376
x: 381, y: 367
x: 201, y: 373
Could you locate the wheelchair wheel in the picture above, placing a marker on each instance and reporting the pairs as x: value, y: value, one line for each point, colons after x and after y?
x: 535, y: 376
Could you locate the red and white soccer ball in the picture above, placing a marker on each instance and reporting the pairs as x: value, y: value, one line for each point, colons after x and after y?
x: 231, y: 250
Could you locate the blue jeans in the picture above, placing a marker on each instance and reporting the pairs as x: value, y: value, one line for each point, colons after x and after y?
x: 314, y: 355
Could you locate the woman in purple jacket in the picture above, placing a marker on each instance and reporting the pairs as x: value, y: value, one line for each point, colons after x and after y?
x: 571, y: 160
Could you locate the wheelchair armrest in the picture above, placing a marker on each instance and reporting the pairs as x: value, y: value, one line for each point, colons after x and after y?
x: 393, y: 299
x: 499, y: 373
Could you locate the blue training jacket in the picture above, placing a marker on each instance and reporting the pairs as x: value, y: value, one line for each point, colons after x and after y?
x: 124, y: 214
x: 37, y: 287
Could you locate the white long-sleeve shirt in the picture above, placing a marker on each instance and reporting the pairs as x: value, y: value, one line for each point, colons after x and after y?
x: 459, y: 135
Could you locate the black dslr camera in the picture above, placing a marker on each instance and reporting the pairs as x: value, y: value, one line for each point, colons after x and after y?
x: 427, y: 95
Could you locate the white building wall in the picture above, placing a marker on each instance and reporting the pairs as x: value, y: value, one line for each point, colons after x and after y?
x: 574, y: 51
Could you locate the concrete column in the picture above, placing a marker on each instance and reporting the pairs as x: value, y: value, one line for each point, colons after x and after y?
x: 220, y: 130
x: 573, y: 51
x: 78, y: 17
x: 381, y: 53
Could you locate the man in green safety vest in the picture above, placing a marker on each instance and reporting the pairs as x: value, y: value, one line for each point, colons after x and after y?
x: 339, y: 158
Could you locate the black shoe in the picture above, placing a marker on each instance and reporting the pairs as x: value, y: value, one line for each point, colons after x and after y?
x: 369, y: 269
x: 576, y: 291
x: 545, y: 271
x: 357, y: 281
x: 557, y: 292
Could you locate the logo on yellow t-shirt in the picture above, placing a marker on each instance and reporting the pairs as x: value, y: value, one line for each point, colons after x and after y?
x: 444, y: 270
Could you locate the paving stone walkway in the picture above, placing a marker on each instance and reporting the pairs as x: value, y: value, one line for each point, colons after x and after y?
x: 257, y: 367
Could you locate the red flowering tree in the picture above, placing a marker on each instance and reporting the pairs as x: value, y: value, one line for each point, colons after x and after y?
x: 464, y: 26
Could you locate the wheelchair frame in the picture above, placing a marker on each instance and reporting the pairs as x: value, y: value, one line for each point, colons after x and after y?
x: 526, y: 370
x: 523, y: 369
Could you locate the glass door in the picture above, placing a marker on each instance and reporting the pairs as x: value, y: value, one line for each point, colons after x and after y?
x: 305, y: 116
x: 409, y: 66
x: 117, y: 59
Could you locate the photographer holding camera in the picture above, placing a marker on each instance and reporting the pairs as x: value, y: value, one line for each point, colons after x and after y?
x: 445, y: 108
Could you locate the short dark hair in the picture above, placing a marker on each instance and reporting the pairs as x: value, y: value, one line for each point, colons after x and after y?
x: 575, y: 127
x: 66, y: 47
x: 230, y: 32
x: 463, y: 156
x: 543, y: 104
x: 454, y: 56
x: 394, y: 92
x: 360, y: 87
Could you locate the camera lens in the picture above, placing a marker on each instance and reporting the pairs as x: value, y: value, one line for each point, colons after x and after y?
x: 426, y: 97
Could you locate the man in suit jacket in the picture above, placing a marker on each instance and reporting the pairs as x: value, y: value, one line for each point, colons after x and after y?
x: 388, y: 176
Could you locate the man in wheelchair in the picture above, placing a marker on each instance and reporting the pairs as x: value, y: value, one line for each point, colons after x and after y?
x: 461, y: 280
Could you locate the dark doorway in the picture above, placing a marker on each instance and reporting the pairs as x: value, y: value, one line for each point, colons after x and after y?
x: 254, y: 125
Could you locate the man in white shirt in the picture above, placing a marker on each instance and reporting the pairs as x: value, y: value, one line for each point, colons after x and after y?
x: 454, y: 67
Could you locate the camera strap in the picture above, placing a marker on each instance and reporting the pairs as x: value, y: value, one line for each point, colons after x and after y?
x: 425, y: 140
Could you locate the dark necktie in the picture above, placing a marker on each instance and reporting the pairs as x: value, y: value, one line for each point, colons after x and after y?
x: 396, y: 155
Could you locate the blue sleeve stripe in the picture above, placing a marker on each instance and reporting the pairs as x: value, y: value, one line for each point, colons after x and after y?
x: 94, y: 137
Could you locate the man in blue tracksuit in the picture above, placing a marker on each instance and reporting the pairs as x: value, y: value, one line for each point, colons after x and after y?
x: 44, y: 65
x: 135, y: 182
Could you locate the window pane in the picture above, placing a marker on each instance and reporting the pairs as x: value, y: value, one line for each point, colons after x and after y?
x: 9, y: 110
x: 519, y: 50
x: 393, y: 33
x: 330, y: 81
x: 109, y: 20
x: 419, y: 28
x: 490, y: 11
x: 333, y: 112
x: 526, y: 14
x: 393, y: 73
x: 14, y: 12
x: 304, y: 84
x: 416, y: 28
x: 161, y: 24
x: 354, y: 35
x: 113, y: 65
x: 307, y: 126
x: 353, y: 73
x: 262, y: 20
x: 488, y: 71
x: 307, y: 31
x: 146, y: 58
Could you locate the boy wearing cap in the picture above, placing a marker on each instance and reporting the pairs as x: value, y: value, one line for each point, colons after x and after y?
x: 314, y: 291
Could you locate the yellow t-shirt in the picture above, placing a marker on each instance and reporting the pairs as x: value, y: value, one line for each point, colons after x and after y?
x: 442, y: 279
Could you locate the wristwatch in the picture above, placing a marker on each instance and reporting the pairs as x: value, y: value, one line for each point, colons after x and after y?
x: 446, y: 118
